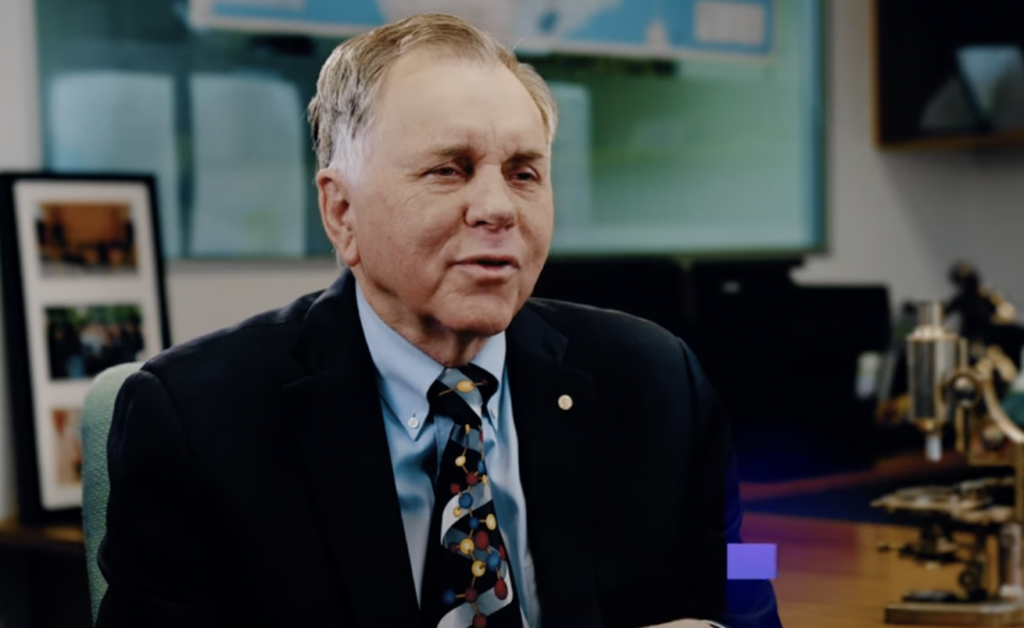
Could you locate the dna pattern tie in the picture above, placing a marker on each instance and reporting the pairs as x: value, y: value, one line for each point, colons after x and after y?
x: 469, y: 572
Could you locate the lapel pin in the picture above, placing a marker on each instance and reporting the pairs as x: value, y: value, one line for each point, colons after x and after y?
x: 565, y: 402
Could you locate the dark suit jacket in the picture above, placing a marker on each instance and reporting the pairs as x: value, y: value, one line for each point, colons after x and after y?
x: 251, y: 483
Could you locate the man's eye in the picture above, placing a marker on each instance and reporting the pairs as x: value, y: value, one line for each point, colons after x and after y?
x: 445, y: 171
x: 524, y: 175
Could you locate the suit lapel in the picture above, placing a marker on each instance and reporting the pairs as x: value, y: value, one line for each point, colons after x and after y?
x: 339, y: 432
x: 557, y: 466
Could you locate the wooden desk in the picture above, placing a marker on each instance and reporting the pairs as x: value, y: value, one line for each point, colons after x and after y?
x: 60, y: 539
x: 831, y: 574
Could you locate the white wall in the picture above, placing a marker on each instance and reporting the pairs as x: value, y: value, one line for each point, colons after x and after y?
x: 904, y: 217
x: 204, y: 296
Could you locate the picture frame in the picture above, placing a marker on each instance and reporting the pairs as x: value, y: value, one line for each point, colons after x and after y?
x: 82, y: 277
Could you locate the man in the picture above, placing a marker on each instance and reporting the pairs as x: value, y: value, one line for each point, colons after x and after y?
x: 420, y: 445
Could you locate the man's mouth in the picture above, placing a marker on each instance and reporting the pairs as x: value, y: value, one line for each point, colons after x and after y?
x: 491, y: 261
x: 491, y: 266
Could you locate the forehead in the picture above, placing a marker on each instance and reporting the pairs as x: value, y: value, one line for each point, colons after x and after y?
x: 429, y: 97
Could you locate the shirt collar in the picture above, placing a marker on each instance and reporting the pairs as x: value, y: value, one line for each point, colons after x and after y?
x: 405, y: 373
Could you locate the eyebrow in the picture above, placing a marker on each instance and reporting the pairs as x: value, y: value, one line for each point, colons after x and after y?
x: 528, y: 156
x: 450, y: 151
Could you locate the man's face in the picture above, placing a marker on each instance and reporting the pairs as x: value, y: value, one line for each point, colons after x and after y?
x: 451, y: 221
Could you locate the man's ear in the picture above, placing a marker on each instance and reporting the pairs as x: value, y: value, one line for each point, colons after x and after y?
x: 337, y: 215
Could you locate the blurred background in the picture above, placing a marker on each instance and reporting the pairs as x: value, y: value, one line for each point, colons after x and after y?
x: 778, y: 182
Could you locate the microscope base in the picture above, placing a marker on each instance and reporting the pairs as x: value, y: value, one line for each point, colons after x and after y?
x: 994, y: 613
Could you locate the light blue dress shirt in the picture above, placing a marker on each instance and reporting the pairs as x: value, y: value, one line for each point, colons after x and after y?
x: 404, y: 375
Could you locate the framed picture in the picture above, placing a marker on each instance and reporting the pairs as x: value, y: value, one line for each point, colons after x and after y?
x: 82, y: 277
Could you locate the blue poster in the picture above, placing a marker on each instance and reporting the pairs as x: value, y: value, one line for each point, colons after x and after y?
x: 646, y: 28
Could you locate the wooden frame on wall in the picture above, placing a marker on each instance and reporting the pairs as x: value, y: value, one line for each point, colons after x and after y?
x: 932, y: 31
x: 83, y: 290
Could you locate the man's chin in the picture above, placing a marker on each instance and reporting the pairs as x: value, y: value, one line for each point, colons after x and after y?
x: 480, y: 317
x: 481, y: 327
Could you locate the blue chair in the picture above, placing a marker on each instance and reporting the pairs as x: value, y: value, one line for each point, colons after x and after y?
x: 96, y: 416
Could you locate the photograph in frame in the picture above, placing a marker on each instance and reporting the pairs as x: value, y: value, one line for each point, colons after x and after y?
x: 83, y: 341
x: 85, y: 238
x: 67, y: 446
x: 83, y: 290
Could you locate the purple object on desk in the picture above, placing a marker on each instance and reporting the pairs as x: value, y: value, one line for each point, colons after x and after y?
x: 751, y: 561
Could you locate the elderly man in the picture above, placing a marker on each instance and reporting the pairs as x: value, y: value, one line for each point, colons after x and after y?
x: 422, y: 445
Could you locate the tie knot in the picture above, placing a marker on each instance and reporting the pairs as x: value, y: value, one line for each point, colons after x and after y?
x: 462, y: 393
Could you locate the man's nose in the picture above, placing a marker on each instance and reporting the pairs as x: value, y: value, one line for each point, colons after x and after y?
x: 491, y: 203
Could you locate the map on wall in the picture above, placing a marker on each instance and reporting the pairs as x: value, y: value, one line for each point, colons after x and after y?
x: 647, y: 28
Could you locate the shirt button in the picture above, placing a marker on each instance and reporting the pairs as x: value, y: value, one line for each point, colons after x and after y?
x: 413, y: 423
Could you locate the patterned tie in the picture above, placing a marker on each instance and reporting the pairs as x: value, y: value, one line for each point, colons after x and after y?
x: 468, y: 579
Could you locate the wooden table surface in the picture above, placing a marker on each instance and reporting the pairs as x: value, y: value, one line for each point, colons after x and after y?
x: 831, y: 575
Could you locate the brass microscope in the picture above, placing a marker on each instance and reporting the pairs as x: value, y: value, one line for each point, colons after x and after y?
x: 951, y: 381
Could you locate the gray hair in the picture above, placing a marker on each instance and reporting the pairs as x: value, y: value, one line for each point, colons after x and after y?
x: 341, y: 112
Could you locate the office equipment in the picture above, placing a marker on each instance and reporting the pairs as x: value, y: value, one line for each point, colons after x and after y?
x: 978, y: 313
x: 831, y: 574
x: 987, y: 318
x: 950, y: 384
x: 784, y: 358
